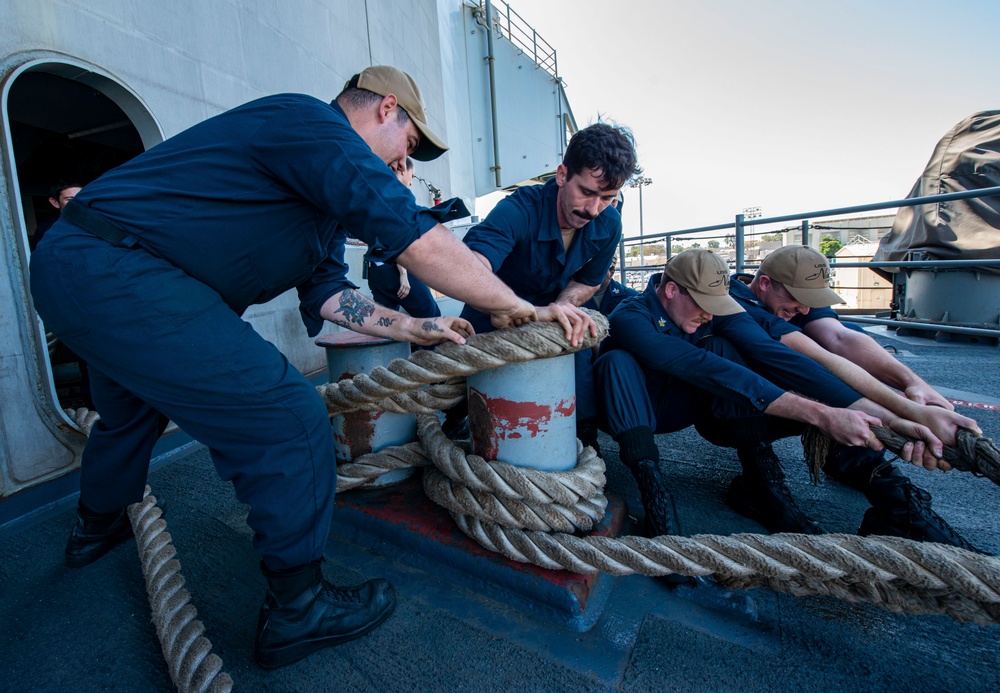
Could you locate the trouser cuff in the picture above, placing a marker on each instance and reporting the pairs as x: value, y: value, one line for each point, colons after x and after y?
x: 637, y: 444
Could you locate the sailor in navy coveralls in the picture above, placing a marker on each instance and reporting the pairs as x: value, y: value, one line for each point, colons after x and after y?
x: 790, y: 298
x: 684, y: 353
x: 609, y: 294
x: 552, y: 243
x: 148, y: 271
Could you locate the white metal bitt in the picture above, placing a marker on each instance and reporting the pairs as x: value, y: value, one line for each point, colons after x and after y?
x: 524, y: 414
x: 355, y: 433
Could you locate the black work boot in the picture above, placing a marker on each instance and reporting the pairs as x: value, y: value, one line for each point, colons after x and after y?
x: 639, y: 453
x: 303, y: 613
x: 661, y: 514
x: 856, y: 467
x: 587, y: 432
x: 899, y: 507
x: 95, y: 534
x: 760, y: 493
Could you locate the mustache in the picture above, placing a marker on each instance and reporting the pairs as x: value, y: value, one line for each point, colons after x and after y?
x: 583, y: 215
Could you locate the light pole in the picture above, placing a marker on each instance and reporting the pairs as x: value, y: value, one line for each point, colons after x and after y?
x: 749, y: 214
x: 641, y: 182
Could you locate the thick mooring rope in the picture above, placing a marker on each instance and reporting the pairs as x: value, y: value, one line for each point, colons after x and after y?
x: 529, y: 516
x: 192, y: 665
x: 506, y: 513
x: 971, y: 453
x: 504, y: 509
x: 397, y: 387
x: 897, y: 574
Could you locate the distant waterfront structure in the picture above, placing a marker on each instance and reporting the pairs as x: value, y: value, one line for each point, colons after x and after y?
x: 844, y: 230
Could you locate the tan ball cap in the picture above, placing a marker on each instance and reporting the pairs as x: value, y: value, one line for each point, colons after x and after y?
x: 384, y: 80
x: 804, y: 272
x: 706, y: 277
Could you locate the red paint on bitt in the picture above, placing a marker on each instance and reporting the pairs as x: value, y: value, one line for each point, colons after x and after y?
x: 566, y: 407
x: 405, y: 509
x: 492, y: 420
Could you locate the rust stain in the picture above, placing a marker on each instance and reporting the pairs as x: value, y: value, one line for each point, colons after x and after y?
x: 359, y: 431
x: 358, y: 428
x: 492, y: 420
x: 484, y: 439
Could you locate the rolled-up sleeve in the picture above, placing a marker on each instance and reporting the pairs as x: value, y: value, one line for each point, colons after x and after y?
x: 314, y: 153
x: 775, y: 327
x: 330, y: 277
x: 327, y: 280
x: 497, y: 235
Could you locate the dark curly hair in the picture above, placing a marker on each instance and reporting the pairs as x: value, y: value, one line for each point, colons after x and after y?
x: 609, y: 149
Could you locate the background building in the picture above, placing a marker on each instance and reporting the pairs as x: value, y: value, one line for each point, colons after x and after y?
x: 859, y: 286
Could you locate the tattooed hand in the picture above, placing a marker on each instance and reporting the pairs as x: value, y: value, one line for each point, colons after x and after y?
x: 444, y: 328
x: 356, y: 312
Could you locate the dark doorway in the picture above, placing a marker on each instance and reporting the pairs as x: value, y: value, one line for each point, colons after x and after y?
x: 63, y: 132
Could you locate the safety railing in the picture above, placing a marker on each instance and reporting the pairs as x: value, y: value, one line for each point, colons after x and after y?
x: 736, y: 231
x: 508, y: 24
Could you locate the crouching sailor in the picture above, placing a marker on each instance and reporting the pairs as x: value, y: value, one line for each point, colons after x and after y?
x: 680, y: 354
x: 146, y: 275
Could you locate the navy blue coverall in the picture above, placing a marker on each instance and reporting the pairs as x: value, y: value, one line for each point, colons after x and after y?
x: 840, y: 458
x: 522, y: 241
x: 229, y: 213
x: 653, y: 374
x: 383, y: 280
x: 614, y: 294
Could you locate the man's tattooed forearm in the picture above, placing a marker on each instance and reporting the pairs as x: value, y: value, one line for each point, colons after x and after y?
x: 355, y: 308
x: 385, y: 322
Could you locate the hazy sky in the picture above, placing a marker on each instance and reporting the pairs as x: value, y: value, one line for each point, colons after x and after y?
x: 789, y: 105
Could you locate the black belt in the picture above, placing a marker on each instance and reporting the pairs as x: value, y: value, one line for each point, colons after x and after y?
x: 90, y: 221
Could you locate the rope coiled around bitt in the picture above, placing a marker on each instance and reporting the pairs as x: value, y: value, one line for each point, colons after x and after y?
x: 397, y: 387
x: 506, y: 509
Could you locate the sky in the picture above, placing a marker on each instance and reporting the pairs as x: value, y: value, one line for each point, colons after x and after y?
x: 787, y: 105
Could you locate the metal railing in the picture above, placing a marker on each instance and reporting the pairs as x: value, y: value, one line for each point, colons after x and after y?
x: 509, y: 25
x: 738, y: 232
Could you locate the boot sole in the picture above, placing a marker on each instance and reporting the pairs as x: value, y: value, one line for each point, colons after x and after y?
x: 289, y: 654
